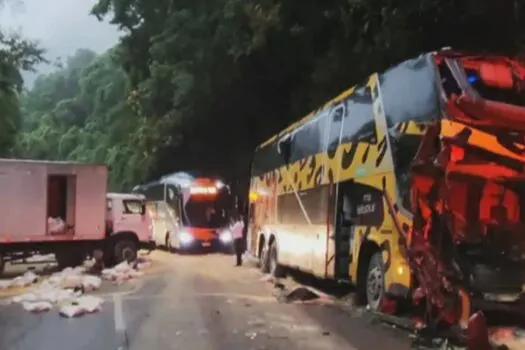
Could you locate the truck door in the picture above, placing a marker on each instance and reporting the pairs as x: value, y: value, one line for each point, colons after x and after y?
x: 133, y: 218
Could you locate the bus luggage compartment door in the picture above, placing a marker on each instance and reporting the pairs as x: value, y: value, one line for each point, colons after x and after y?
x: 343, y: 237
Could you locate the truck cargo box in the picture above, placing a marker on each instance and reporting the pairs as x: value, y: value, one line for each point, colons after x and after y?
x: 33, y: 194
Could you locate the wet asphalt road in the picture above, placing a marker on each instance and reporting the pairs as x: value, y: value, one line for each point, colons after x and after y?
x: 196, y: 302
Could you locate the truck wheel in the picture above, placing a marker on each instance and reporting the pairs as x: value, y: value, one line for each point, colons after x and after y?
x: 2, y: 264
x: 125, y: 250
x: 69, y: 258
x: 276, y: 269
x: 375, y: 282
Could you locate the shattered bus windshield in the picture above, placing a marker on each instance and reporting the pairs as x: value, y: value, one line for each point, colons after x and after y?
x: 499, y: 82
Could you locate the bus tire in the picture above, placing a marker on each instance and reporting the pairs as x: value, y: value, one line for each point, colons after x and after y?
x: 276, y: 269
x: 167, y: 242
x: 264, y: 261
x: 375, y: 282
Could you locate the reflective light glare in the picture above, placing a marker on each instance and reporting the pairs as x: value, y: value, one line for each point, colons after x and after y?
x: 226, y: 236
x: 219, y: 184
x: 203, y: 190
x: 185, y: 238
x: 185, y: 183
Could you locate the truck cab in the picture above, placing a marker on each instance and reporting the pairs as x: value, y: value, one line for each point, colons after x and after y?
x: 127, y: 223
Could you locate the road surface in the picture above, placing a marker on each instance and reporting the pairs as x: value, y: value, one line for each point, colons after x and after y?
x: 196, y: 302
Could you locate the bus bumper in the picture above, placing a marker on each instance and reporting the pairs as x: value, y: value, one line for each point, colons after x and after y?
x: 215, y: 244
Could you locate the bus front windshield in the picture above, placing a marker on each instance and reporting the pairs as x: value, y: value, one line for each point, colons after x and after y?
x: 203, y: 213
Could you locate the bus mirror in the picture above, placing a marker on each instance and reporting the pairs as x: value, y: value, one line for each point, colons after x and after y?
x: 496, y: 75
x: 143, y: 209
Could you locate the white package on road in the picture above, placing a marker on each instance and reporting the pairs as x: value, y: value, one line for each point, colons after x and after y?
x: 81, y: 306
x: 37, y: 306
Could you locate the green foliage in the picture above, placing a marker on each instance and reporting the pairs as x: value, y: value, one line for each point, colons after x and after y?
x: 16, y: 54
x: 82, y: 113
x: 221, y: 76
x: 198, y: 84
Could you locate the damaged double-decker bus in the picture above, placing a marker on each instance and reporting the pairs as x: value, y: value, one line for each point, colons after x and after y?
x: 410, y: 186
x: 189, y: 212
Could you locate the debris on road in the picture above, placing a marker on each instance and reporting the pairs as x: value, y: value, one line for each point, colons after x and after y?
x: 298, y: 295
x: 121, y: 273
x: 80, y: 306
x: 60, y: 287
x: 25, y: 280
x: 303, y: 295
x: 37, y: 258
x: 65, y: 289
x: 37, y: 306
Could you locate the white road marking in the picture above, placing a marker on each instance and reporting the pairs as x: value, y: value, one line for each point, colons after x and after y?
x: 120, y: 324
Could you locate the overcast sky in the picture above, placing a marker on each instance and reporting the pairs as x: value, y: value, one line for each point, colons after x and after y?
x: 62, y: 26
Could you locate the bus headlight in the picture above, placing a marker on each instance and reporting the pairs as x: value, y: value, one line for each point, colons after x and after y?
x: 226, y: 236
x: 185, y: 238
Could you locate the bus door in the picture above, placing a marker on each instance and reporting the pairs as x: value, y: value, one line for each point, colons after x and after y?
x: 173, y: 210
x: 161, y: 226
x: 153, y: 212
x: 338, y: 247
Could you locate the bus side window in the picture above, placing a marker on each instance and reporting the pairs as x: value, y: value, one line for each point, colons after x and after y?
x: 334, y: 119
x: 359, y: 124
x: 409, y: 92
x: 404, y: 150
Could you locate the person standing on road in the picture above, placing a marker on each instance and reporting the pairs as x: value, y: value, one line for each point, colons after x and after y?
x: 238, y: 241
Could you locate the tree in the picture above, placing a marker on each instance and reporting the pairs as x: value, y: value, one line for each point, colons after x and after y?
x: 196, y: 85
x: 16, y: 54
x: 84, y: 113
x: 219, y: 77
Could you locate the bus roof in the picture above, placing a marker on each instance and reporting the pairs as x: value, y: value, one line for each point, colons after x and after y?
x: 182, y: 179
x: 309, y: 116
x: 346, y: 93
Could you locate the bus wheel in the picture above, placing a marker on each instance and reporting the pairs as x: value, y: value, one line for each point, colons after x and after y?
x: 264, y: 261
x: 276, y: 269
x: 375, y: 282
x: 167, y: 241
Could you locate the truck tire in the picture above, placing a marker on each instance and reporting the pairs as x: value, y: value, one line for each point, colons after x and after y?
x: 375, y: 282
x: 69, y: 258
x: 125, y: 250
x: 2, y: 264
